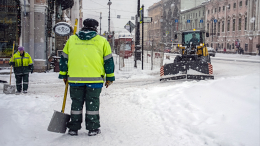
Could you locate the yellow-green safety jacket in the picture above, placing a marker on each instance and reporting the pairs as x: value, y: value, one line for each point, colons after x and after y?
x: 22, y: 64
x: 87, y: 58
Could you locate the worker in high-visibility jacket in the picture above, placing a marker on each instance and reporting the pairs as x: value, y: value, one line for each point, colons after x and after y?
x: 85, y: 63
x: 23, y: 65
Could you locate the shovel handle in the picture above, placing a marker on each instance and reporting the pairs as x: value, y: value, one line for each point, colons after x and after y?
x: 13, y: 60
x: 65, y: 97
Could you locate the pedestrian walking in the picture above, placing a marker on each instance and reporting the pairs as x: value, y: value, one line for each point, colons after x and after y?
x: 23, y: 65
x: 87, y: 61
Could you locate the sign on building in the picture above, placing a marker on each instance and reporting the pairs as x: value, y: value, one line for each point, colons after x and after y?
x: 62, y: 29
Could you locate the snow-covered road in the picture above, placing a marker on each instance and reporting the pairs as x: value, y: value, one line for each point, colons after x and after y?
x: 139, y: 110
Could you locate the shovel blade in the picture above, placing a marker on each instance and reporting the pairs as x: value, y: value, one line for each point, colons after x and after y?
x: 59, y: 122
x: 9, y: 89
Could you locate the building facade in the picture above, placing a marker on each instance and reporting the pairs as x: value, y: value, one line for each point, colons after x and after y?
x: 29, y: 23
x: 193, y: 18
x: 170, y: 18
x: 154, y: 28
x: 233, y: 24
x: 188, y: 4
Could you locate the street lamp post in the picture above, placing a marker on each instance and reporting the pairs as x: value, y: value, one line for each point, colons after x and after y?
x: 100, y: 21
x: 109, y: 3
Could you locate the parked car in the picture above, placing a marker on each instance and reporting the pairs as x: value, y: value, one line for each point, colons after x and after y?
x: 211, y: 51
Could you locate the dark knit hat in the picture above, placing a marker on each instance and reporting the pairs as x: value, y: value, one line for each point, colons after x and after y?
x: 90, y: 24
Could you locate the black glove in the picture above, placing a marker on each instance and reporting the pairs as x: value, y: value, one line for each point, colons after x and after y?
x: 31, y: 71
x: 11, y: 63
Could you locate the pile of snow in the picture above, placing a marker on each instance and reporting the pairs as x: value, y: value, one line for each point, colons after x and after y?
x: 138, y: 109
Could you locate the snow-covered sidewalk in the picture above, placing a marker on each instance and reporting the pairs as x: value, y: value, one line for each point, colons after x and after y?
x: 139, y: 110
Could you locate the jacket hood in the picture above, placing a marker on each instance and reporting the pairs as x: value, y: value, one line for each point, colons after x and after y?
x: 86, y: 35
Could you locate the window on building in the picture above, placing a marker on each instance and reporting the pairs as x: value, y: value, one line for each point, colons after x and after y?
x: 240, y: 4
x: 208, y: 26
x: 223, y: 8
x: 215, y: 10
x: 246, y: 47
x: 239, y: 24
x: 246, y: 2
x: 254, y: 26
x: 222, y: 45
x: 228, y: 25
x: 233, y: 46
x: 215, y: 28
x: 219, y: 9
x: 235, y: 5
x: 218, y: 26
x: 234, y: 24
x: 208, y: 11
x: 211, y: 45
x: 223, y: 24
x: 227, y: 45
x: 228, y: 6
x: 199, y: 13
x: 246, y: 23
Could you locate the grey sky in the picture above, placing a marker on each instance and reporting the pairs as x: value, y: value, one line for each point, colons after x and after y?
x: 125, y: 8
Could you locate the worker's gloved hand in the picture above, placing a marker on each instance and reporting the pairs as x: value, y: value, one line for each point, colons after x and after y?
x: 11, y: 63
x: 108, y: 83
x: 65, y: 80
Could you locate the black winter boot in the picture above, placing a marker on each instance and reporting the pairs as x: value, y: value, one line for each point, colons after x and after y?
x: 73, y: 132
x: 94, y: 132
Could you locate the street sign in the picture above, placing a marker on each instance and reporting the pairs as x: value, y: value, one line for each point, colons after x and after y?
x: 147, y: 19
x: 176, y: 20
x: 215, y: 20
x: 188, y: 21
x: 201, y: 21
x: 129, y: 26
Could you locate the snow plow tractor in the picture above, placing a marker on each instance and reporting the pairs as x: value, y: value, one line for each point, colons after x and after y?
x: 194, y: 61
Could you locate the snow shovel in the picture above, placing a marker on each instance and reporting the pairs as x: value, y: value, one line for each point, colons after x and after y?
x: 59, y: 119
x: 10, y: 89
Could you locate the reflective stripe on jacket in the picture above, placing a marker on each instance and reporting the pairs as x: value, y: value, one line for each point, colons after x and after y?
x: 87, y: 61
x: 22, y: 64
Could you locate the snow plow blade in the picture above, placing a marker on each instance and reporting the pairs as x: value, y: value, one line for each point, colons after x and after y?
x: 174, y: 78
x: 175, y: 68
x: 200, y: 77
x: 194, y: 77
